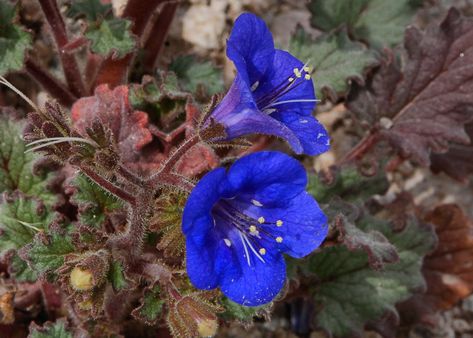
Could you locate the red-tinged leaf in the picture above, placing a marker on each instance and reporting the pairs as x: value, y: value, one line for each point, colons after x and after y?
x: 423, y: 105
x: 447, y: 270
x: 129, y: 127
x: 197, y: 160
x: 457, y: 162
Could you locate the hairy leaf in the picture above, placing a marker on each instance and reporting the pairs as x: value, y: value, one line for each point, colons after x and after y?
x: 111, y: 37
x: 20, y: 269
x: 116, y: 276
x: 197, y: 76
x: 93, y: 10
x: 94, y: 204
x: 336, y: 60
x: 47, y: 252
x: 16, y: 166
x: 424, y: 104
x: 241, y: 313
x: 57, y: 329
x: 13, y: 40
x: 348, y: 184
x: 112, y: 108
x: 151, y: 306
x: 380, y: 251
x: 350, y: 293
x: 21, y: 217
x: 378, y: 22
x: 448, y: 269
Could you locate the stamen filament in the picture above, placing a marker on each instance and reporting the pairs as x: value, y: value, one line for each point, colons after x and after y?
x: 291, y: 101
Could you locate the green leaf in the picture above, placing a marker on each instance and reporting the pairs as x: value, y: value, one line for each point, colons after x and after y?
x: 239, y: 312
x: 13, y: 40
x: 20, y: 269
x: 46, y: 253
x: 151, y: 306
x: 159, y: 96
x: 21, y: 217
x: 116, y: 276
x: 378, y: 22
x: 348, y: 184
x: 111, y: 36
x: 336, y: 60
x: 93, y: 10
x: 93, y: 202
x: 50, y: 330
x: 350, y: 293
x: 16, y: 166
x: 197, y: 76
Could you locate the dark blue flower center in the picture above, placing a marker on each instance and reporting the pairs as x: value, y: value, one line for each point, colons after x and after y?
x: 251, y: 231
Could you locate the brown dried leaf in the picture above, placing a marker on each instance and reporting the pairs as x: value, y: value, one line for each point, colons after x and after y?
x: 423, y: 105
x: 448, y: 270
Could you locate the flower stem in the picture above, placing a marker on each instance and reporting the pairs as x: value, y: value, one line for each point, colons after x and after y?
x: 130, y: 176
x: 52, y: 85
x: 58, y: 29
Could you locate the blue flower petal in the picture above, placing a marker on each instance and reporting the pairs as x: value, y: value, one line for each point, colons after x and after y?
x: 304, y: 225
x: 310, y: 132
x: 196, y: 218
x: 250, y: 47
x: 258, y: 283
x: 277, y: 76
x: 200, y: 262
x: 270, y: 177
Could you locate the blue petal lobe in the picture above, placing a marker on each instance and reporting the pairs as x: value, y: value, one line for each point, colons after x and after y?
x: 200, y: 262
x: 269, y: 177
x: 310, y: 132
x: 196, y: 218
x: 304, y: 225
x: 250, y: 47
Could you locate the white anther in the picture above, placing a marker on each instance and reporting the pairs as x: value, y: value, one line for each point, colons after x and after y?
x: 279, y: 223
x: 261, y: 220
x: 279, y: 239
x: 227, y: 242
x: 254, y: 86
x: 262, y: 251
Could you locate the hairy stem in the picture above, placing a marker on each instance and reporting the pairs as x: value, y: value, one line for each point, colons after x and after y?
x: 52, y: 85
x: 109, y: 186
x: 162, y: 174
x: 58, y: 29
x: 132, y: 240
x: 130, y: 176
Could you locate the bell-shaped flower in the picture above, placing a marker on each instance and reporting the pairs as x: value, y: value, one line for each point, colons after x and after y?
x: 272, y: 92
x: 239, y: 223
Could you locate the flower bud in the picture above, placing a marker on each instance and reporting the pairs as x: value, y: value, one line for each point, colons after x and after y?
x: 90, y: 272
x: 192, y: 317
x: 81, y: 279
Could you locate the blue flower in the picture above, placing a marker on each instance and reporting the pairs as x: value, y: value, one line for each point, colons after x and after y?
x: 238, y: 223
x: 272, y: 93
